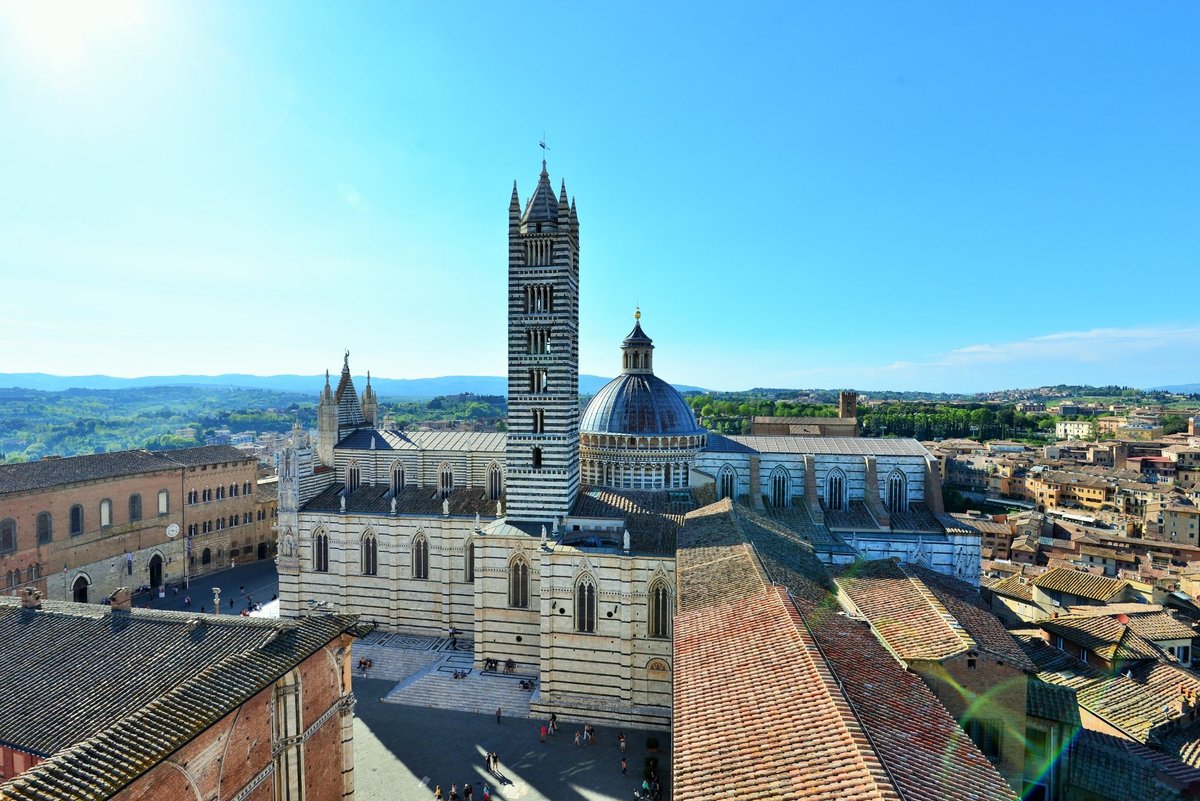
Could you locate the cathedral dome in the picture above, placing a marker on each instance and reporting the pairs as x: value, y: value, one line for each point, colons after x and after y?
x: 639, y: 404
x: 637, y: 401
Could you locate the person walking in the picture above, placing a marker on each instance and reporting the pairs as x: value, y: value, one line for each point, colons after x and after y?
x: 466, y: 791
x: 576, y: 738
x: 543, y: 733
x: 454, y: 792
x: 497, y: 716
x: 624, y: 766
x: 437, y: 792
x: 553, y: 723
x: 487, y: 792
x: 621, y: 741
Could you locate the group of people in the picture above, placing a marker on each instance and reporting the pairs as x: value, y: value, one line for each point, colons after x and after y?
x: 494, y: 664
x: 467, y: 790
x: 365, y: 664
x: 461, y: 674
x: 528, y: 684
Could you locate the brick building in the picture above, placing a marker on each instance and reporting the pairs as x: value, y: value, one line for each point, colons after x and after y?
x: 77, y: 528
x: 137, y: 704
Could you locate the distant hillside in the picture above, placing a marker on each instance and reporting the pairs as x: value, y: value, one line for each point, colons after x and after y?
x: 1183, y: 389
x: 309, y: 384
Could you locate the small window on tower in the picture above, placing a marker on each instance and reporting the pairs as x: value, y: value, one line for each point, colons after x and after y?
x: 537, y: 458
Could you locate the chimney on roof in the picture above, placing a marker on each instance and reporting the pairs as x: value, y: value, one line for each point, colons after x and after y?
x: 1123, y: 618
x: 31, y: 599
x: 121, y: 600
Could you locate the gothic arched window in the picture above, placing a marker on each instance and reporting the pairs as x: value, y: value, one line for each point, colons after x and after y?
x: 727, y: 483
x: 369, y: 554
x: 445, y: 479
x: 321, y: 552
x: 518, y: 583
x: 835, y: 490
x: 659, y: 620
x: 420, y: 557
x: 353, y: 477
x: 781, y: 487
x: 585, y: 605
x: 495, y: 482
x: 897, y: 492
x: 397, y: 479
x: 76, y: 520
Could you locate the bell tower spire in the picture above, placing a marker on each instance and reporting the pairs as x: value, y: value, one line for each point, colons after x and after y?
x: 542, y: 451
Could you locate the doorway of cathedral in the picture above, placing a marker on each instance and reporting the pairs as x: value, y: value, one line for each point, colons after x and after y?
x: 156, y: 572
x: 80, y: 590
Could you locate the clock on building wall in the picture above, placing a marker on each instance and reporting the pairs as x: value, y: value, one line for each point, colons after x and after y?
x: 173, y: 530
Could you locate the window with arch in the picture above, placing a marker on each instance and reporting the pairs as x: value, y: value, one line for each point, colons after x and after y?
x: 45, y: 532
x: 8, y: 535
x: 206, y: 557
x: 105, y: 513
x: 246, y: 487
x: 321, y: 552
x: 33, y: 573
x: 233, y: 490
x: 897, y: 492
x: 585, y: 605
x: 495, y: 482
x: 221, y: 493
x: 420, y: 557
x: 164, y: 502
x: 233, y: 521
x: 835, y: 490
x: 445, y: 479
x: 469, y: 562
x: 539, y: 421
x: 207, y: 495
x: 518, y: 583
x: 76, y: 520
x: 537, y: 458
x: 397, y: 479
x: 135, y: 507
x: 659, y: 620
x: 726, y: 483
x: 220, y: 524
x: 353, y: 477
x: 369, y: 554
x: 781, y: 487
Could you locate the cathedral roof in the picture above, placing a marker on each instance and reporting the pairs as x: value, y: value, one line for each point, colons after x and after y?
x: 542, y: 207
x: 639, y: 403
x: 346, y: 398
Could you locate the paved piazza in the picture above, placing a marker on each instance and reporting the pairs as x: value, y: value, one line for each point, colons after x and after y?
x: 410, y: 733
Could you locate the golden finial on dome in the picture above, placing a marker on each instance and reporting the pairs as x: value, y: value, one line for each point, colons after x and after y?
x: 637, y: 312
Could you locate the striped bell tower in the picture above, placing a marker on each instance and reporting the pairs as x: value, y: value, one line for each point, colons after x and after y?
x: 542, y: 455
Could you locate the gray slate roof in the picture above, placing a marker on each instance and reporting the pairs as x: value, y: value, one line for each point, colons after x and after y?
x: 850, y: 446
x: 456, y: 441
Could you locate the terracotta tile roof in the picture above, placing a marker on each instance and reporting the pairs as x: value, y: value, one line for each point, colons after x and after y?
x: 757, y: 715
x: 1107, y: 637
x: 964, y: 602
x: 1083, y: 585
x: 1012, y: 587
x: 1051, y: 702
x: 925, y: 753
x: 1113, y: 767
x: 1159, y: 626
x: 912, y: 622
x: 653, y: 518
x: 1140, y: 702
x: 128, y: 690
x: 53, y: 472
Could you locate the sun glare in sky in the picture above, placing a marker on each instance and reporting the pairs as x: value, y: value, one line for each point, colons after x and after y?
x: 64, y: 35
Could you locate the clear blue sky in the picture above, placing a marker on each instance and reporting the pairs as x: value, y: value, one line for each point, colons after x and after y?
x: 873, y: 195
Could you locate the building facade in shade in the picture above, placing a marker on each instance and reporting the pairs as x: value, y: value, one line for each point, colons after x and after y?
x: 553, y: 544
x: 76, y: 528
